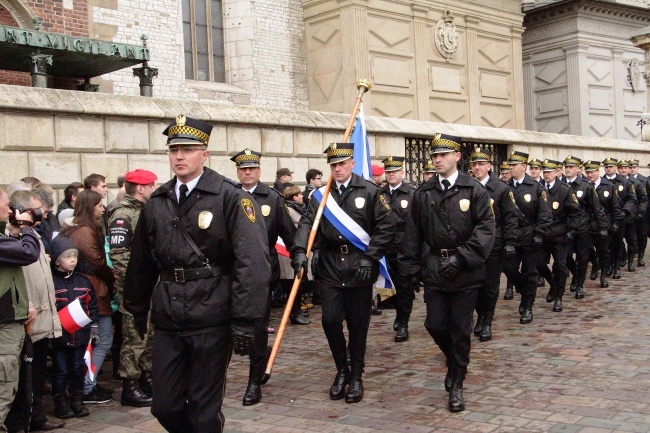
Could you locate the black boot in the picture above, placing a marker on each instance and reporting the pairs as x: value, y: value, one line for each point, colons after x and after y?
x: 594, y: 272
x: 449, y: 377
x: 527, y: 315
x: 145, y: 383
x: 610, y: 271
x: 486, y: 332
x: 603, y: 279
x: 62, y: 406
x: 552, y: 293
x: 574, y: 283
x: 557, y: 305
x: 640, y: 263
x: 133, y: 396
x: 77, y: 404
x: 253, y: 393
x: 355, y: 390
x: 508, y: 295
x: 398, y: 320
x: 456, y: 400
x: 522, y: 305
x: 299, y: 319
x: 580, y: 294
x: 402, y: 333
x: 479, y: 325
x: 617, y: 271
x: 630, y: 263
x: 540, y: 281
x: 337, y: 390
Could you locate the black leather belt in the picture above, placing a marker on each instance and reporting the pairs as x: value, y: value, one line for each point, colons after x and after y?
x: 346, y: 249
x: 445, y: 253
x: 181, y: 275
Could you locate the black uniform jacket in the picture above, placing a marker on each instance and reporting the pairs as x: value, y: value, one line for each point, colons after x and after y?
x: 505, y: 212
x: 566, y: 212
x: 641, y: 196
x: 591, y: 208
x: 459, y: 219
x: 627, y: 194
x: 611, y: 202
x: 233, y: 236
x: 534, y: 215
x: 400, y: 204
x: 364, y: 202
x: 276, y: 218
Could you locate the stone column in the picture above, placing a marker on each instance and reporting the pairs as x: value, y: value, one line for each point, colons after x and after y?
x: 356, y: 58
x: 530, y: 102
x: 473, y: 74
x: 518, y: 104
x: 642, y: 40
x: 39, y: 63
x: 146, y: 76
x: 618, y: 89
x: 578, y: 88
x: 421, y: 62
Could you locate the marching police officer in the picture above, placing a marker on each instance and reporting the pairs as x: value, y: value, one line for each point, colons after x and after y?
x: 200, y: 259
x: 135, y: 353
x: 504, y: 172
x: 629, y: 204
x: 346, y: 270
x: 534, y: 219
x: 642, y: 210
x: 429, y: 171
x: 566, y: 214
x: 452, y: 221
x: 400, y: 195
x: 505, y: 216
x: 535, y: 170
x: 277, y: 222
x: 590, y: 210
x: 609, y: 199
x: 642, y: 220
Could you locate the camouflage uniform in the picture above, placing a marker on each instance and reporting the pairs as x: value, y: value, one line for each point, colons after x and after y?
x: 135, y: 354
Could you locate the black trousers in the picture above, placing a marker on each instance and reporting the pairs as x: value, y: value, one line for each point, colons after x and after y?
x: 601, y: 251
x: 558, y: 276
x: 14, y: 421
x: 580, y: 247
x: 259, y: 349
x: 488, y: 294
x: 522, y: 271
x: 352, y: 304
x: 642, y: 235
x: 449, y: 322
x: 404, y: 292
x: 628, y: 233
x: 189, y: 379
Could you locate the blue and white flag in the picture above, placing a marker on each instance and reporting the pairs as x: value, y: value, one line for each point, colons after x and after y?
x: 353, y: 232
x: 361, y: 147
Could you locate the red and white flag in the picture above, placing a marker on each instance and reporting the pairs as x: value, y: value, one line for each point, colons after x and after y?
x: 88, y: 363
x: 281, y: 248
x: 73, y: 317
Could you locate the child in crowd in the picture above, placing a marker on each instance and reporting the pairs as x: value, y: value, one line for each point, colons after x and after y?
x: 69, y: 349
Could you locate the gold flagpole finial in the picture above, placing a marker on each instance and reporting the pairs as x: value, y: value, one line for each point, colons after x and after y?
x: 365, y: 84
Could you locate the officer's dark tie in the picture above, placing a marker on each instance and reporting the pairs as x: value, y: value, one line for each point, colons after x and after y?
x: 182, y: 194
x: 515, y: 182
x: 445, y: 185
x: 548, y: 187
x: 341, y: 189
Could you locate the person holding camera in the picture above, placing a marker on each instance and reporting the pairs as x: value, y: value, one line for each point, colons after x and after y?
x: 14, y: 254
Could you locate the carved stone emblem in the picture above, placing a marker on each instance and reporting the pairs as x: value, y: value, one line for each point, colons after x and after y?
x: 446, y: 36
x: 634, y: 75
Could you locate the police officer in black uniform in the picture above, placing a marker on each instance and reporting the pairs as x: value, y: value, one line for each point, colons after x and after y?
x: 609, y: 199
x: 534, y: 220
x: 278, y: 223
x: 200, y: 259
x: 429, y: 171
x: 448, y: 238
x: 641, y: 219
x: 566, y: 219
x: 629, y: 204
x: 505, y: 216
x: 347, y: 273
x: 642, y: 209
x: 399, y: 195
x: 591, y: 210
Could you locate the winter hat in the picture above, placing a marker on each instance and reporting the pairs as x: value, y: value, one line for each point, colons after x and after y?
x: 61, y: 245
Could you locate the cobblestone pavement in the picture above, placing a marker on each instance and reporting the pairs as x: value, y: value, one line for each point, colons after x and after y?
x: 586, y: 370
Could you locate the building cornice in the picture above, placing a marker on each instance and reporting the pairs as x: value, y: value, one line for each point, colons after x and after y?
x: 575, y: 8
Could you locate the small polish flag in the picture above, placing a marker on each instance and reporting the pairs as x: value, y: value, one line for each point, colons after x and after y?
x: 120, y: 222
x: 88, y: 363
x: 281, y: 248
x: 73, y: 317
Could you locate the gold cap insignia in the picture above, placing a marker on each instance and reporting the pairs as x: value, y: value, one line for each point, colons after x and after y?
x: 247, y: 151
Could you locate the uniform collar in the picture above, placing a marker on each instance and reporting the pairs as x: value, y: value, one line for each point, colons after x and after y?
x: 451, y: 179
x: 252, y: 190
x: 190, y: 185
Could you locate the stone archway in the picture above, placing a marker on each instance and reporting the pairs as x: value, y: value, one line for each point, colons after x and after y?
x: 20, y: 12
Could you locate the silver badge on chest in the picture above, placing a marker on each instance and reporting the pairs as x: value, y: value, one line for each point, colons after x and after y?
x: 404, y: 204
x: 266, y: 210
x: 464, y: 205
x: 359, y: 202
x: 205, y: 218
x: 527, y: 197
x: 580, y: 194
x: 606, y: 194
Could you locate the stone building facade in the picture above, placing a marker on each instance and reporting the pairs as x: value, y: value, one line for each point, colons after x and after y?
x: 576, y: 57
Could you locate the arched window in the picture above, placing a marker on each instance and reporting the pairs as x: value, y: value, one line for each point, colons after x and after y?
x: 203, y: 39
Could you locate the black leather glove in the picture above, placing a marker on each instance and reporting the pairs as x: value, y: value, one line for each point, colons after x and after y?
x: 364, y: 270
x: 451, y: 267
x: 570, y: 236
x: 414, y: 283
x: 242, y: 337
x: 614, y: 228
x: 315, y: 255
x: 603, y: 234
x: 140, y: 323
x: 299, y: 263
x: 538, y: 242
x: 509, y: 252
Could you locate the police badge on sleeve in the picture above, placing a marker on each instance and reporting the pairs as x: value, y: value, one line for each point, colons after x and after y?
x: 249, y: 209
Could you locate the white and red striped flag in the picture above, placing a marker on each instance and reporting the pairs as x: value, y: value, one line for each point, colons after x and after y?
x: 281, y: 248
x: 88, y: 363
x: 73, y: 317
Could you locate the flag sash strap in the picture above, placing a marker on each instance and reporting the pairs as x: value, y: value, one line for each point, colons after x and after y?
x: 352, y: 231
